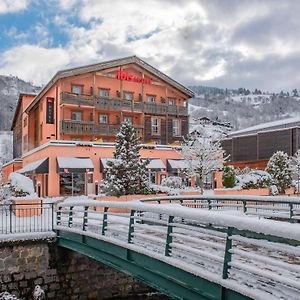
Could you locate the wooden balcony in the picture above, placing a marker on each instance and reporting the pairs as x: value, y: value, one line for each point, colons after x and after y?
x: 117, y: 104
x: 90, y: 128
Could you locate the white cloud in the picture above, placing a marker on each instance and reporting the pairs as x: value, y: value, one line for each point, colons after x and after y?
x: 10, y: 6
x: 33, y: 63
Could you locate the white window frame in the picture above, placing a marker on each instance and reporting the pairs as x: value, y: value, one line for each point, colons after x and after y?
x: 128, y: 118
x: 101, y: 119
x: 171, y: 102
x: 76, y: 113
x: 176, y: 127
x: 155, y: 126
x: 104, y: 90
x: 80, y: 87
x: 150, y: 98
x: 126, y: 94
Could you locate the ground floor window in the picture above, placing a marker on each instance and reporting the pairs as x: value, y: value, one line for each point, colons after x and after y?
x: 72, y: 184
x: 152, y: 177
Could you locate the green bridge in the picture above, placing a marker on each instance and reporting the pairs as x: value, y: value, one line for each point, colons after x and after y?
x: 189, y: 253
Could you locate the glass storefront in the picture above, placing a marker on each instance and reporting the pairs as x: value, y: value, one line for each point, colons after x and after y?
x: 72, y: 184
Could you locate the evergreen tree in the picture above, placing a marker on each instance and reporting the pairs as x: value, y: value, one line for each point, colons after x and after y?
x: 280, y: 170
x: 126, y: 174
x: 228, y: 177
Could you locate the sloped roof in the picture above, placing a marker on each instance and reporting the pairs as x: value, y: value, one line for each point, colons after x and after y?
x: 106, y: 65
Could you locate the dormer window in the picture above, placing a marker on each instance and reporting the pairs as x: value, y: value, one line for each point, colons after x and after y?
x: 77, y: 89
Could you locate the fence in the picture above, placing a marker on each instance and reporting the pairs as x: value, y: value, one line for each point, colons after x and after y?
x: 26, y: 218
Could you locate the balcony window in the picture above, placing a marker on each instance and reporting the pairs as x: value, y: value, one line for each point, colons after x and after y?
x: 103, y: 119
x: 150, y: 98
x: 103, y: 92
x: 155, y: 126
x: 76, y: 115
x: 171, y: 101
x: 176, y: 127
x: 128, y: 96
x: 77, y: 89
x: 128, y: 119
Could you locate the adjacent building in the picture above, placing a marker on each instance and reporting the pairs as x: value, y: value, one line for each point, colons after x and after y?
x: 253, y: 146
x: 64, y: 134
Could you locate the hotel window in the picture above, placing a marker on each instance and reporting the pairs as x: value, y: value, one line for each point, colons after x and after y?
x: 77, y: 89
x: 103, y: 119
x: 176, y: 127
x: 128, y: 119
x: 103, y: 92
x: 171, y: 101
x: 150, y: 98
x: 76, y: 115
x: 128, y: 96
x: 155, y: 126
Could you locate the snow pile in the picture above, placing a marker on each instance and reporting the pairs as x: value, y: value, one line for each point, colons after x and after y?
x: 38, y: 293
x: 254, y: 179
x: 20, y: 185
x: 8, y: 296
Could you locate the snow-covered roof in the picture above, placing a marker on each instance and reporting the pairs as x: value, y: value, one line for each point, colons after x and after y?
x: 74, y: 163
x: 39, y: 166
x: 177, y: 164
x: 156, y: 163
x: 284, y: 123
x: 103, y: 162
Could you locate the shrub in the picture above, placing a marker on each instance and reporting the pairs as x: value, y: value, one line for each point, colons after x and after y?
x: 254, y: 179
x: 228, y: 177
x: 173, y: 182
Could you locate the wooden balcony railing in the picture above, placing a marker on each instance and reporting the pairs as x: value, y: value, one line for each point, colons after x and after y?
x: 90, y: 128
x: 117, y: 104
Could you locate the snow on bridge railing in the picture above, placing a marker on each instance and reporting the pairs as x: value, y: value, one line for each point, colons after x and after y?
x: 26, y: 221
x: 278, y: 207
x: 256, y: 257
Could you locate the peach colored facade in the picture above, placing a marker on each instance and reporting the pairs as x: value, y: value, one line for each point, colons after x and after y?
x: 95, y: 152
x: 10, y: 167
x: 89, y: 104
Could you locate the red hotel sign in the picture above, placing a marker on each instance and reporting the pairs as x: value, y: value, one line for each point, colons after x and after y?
x: 130, y: 77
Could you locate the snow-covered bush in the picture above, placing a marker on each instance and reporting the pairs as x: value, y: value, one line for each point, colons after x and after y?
x: 255, y: 179
x: 38, y: 293
x: 20, y: 185
x: 279, y: 167
x: 8, y: 296
x: 173, y: 182
x: 228, y: 177
x: 160, y: 189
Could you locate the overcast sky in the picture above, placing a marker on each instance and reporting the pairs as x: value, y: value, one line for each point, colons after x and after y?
x: 225, y: 43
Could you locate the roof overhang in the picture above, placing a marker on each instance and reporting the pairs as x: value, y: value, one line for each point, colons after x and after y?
x: 176, y: 165
x: 38, y: 167
x: 74, y: 165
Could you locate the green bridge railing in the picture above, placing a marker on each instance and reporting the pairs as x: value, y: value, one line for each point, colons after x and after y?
x: 278, y: 207
x: 251, y: 257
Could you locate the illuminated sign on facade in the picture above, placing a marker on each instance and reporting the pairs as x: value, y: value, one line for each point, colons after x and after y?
x: 130, y: 77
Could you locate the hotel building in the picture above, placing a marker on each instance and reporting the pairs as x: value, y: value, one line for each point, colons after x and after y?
x: 64, y: 135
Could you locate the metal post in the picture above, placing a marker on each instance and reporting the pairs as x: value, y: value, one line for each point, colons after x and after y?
x: 96, y: 187
x: 228, y: 255
x: 244, y: 207
x: 169, y: 238
x: 10, y: 218
x: 131, y: 226
x: 85, y: 218
x: 70, y: 222
x: 291, y: 212
x: 104, y: 222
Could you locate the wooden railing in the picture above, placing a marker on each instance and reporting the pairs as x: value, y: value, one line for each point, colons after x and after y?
x: 112, y: 103
x: 91, y: 128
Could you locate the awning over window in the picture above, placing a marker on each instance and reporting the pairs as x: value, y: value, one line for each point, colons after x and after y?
x: 156, y: 164
x: 38, y: 167
x: 74, y: 165
x: 175, y: 165
x: 103, y: 163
